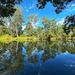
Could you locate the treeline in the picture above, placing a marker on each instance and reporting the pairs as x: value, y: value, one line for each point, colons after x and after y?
x: 50, y: 29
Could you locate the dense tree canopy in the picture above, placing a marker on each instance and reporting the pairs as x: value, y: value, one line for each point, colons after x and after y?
x: 69, y: 23
x: 6, y: 4
x: 17, y: 20
x: 7, y: 7
x: 59, y: 4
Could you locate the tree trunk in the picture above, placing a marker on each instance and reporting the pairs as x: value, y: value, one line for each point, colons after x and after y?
x: 17, y: 47
x: 16, y: 32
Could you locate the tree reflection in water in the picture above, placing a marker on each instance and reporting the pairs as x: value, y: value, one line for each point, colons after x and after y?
x: 12, y: 58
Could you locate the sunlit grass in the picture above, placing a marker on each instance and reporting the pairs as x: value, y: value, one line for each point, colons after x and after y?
x: 7, y: 39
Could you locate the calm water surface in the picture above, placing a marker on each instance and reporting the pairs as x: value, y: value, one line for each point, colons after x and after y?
x: 37, y: 58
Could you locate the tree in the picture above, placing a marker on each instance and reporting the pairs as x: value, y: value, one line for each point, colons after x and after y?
x: 54, y: 27
x: 28, y: 29
x: 39, y: 31
x: 13, y: 49
x: 69, y: 24
x: 31, y: 25
x: 46, y: 23
x: 61, y: 32
x: 7, y: 7
x: 33, y: 19
x: 47, y: 31
x: 4, y: 30
x: 17, y: 20
x: 60, y: 5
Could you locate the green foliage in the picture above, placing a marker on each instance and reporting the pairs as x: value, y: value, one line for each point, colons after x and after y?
x: 7, y: 7
x: 50, y: 29
x: 4, y: 30
x: 28, y: 29
x: 17, y: 20
x: 31, y: 24
x: 58, y: 4
x: 33, y: 19
x: 46, y: 23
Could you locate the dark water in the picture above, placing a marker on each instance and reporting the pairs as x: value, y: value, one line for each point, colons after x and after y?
x: 37, y: 58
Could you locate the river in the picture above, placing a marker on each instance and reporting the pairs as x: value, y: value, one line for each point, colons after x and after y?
x: 37, y: 58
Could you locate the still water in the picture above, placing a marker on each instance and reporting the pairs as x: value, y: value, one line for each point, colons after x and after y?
x: 37, y: 58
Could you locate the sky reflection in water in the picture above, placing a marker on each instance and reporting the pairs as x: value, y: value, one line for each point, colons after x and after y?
x: 37, y: 58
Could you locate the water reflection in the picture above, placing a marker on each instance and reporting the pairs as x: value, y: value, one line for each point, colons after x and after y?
x: 11, y: 58
x: 18, y: 58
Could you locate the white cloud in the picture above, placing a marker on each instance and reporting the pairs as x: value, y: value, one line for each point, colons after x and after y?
x: 23, y: 27
x: 32, y: 6
x: 73, y: 5
x: 61, y: 21
x: 34, y: 24
x: 70, y: 7
x: 70, y: 10
x: 27, y: 8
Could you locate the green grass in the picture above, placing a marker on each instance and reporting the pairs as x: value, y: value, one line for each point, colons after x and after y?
x: 7, y: 38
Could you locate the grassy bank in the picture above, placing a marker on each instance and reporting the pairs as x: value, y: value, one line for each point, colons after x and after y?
x: 7, y: 38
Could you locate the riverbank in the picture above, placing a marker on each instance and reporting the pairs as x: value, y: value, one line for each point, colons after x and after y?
x: 7, y: 38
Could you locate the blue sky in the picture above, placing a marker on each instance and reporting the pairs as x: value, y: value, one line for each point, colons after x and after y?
x: 29, y: 7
